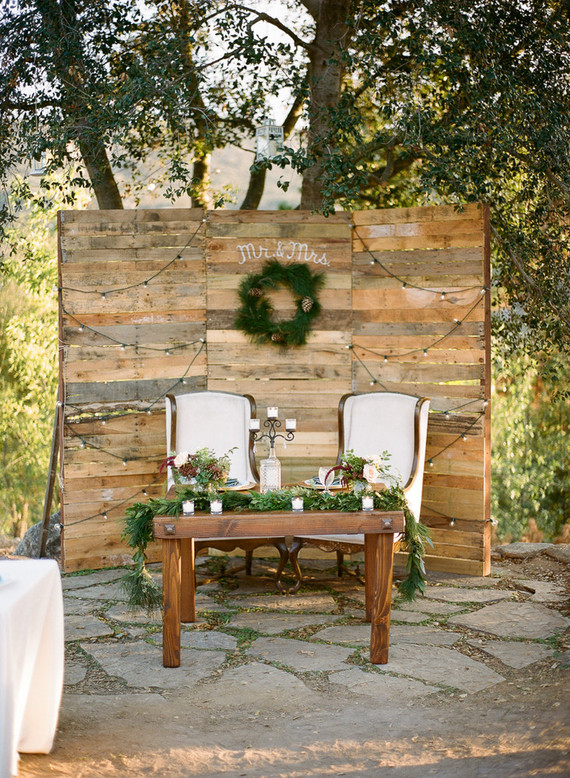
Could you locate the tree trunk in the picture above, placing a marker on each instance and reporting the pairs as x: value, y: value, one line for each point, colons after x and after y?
x: 255, y: 190
x: 99, y: 170
x: 62, y: 23
x: 325, y: 82
x: 200, y: 180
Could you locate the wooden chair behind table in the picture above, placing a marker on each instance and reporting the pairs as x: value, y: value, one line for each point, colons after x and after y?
x: 369, y: 424
x: 220, y: 421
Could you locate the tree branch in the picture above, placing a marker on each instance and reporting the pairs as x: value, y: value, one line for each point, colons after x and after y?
x: 261, y: 16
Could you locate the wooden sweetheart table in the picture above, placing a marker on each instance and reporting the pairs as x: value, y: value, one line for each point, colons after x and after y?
x: 178, y: 534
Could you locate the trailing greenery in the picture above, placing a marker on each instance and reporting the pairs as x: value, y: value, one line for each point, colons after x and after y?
x: 255, y: 314
x: 144, y: 593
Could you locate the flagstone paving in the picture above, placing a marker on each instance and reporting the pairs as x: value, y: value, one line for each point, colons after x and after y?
x: 455, y: 594
x: 273, y: 623
x: 442, y: 666
x: 514, y: 620
x: 81, y: 627
x: 513, y: 654
x: 299, y: 654
x: 140, y: 664
x: 385, y: 688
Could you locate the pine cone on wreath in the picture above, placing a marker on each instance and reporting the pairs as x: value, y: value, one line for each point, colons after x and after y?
x: 277, y: 337
x: 306, y: 304
x: 255, y: 291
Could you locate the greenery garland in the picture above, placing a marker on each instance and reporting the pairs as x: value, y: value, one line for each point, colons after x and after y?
x: 144, y: 593
x: 255, y: 314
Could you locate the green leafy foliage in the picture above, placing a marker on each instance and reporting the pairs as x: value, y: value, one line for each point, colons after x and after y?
x: 28, y: 366
x: 531, y: 459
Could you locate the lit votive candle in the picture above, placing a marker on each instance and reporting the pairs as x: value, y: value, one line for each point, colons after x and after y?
x: 297, y: 504
x: 254, y: 425
x: 215, y: 507
x: 188, y: 507
x: 367, y: 502
x: 272, y: 412
x: 290, y: 424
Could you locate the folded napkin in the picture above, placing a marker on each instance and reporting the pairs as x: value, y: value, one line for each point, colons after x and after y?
x: 317, y: 481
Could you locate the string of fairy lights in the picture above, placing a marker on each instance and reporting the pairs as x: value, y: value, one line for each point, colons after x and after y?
x: 444, y: 294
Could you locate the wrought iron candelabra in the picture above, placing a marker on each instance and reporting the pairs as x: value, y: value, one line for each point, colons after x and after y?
x: 270, y: 468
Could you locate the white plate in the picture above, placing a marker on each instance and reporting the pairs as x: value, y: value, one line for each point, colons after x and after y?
x: 315, y: 483
x: 239, y: 487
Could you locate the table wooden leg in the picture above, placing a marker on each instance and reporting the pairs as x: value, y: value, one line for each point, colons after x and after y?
x: 188, y: 581
x: 381, y: 572
x: 171, y: 603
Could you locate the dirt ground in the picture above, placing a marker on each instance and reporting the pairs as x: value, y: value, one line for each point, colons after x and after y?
x: 517, y: 728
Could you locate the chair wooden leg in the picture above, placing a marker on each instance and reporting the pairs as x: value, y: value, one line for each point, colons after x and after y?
x: 283, y: 557
x: 339, y: 563
x: 248, y: 561
x: 296, y: 546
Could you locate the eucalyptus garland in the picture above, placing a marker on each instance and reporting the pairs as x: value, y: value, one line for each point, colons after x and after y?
x: 143, y: 592
x: 255, y: 314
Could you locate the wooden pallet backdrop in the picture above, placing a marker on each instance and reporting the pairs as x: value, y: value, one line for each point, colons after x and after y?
x: 141, y: 290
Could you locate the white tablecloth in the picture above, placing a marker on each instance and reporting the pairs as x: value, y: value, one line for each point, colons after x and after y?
x: 31, y: 658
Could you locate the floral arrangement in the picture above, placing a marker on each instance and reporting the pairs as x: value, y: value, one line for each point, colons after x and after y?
x: 203, y: 469
x: 361, y: 473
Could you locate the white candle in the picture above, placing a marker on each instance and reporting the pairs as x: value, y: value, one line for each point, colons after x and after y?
x: 254, y: 425
x: 367, y: 502
x: 291, y: 424
x: 188, y: 507
x: 297, y: 504
x: 215, y: 507
x: 272, y: 412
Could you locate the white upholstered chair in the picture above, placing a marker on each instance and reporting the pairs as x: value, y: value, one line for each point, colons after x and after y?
x: 215, y: 420
x: 219, y: 421
x: 369, y: 424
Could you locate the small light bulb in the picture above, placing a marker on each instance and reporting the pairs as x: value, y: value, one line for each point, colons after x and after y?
x: 124, y: 462
x: 385, y: 358
x: 104, y: 515
x: 443, y: 295
x: 103, y: 296
x: 425, y: 352
x: 81, y: 327
x: 463, y: 436
x: 430, y: 462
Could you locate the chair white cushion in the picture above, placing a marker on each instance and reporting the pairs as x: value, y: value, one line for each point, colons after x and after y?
x: 215, y: 420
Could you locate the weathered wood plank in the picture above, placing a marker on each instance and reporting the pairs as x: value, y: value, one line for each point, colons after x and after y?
x: 418, y: 214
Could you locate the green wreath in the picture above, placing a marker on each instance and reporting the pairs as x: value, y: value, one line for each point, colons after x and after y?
x: 255, y: 314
